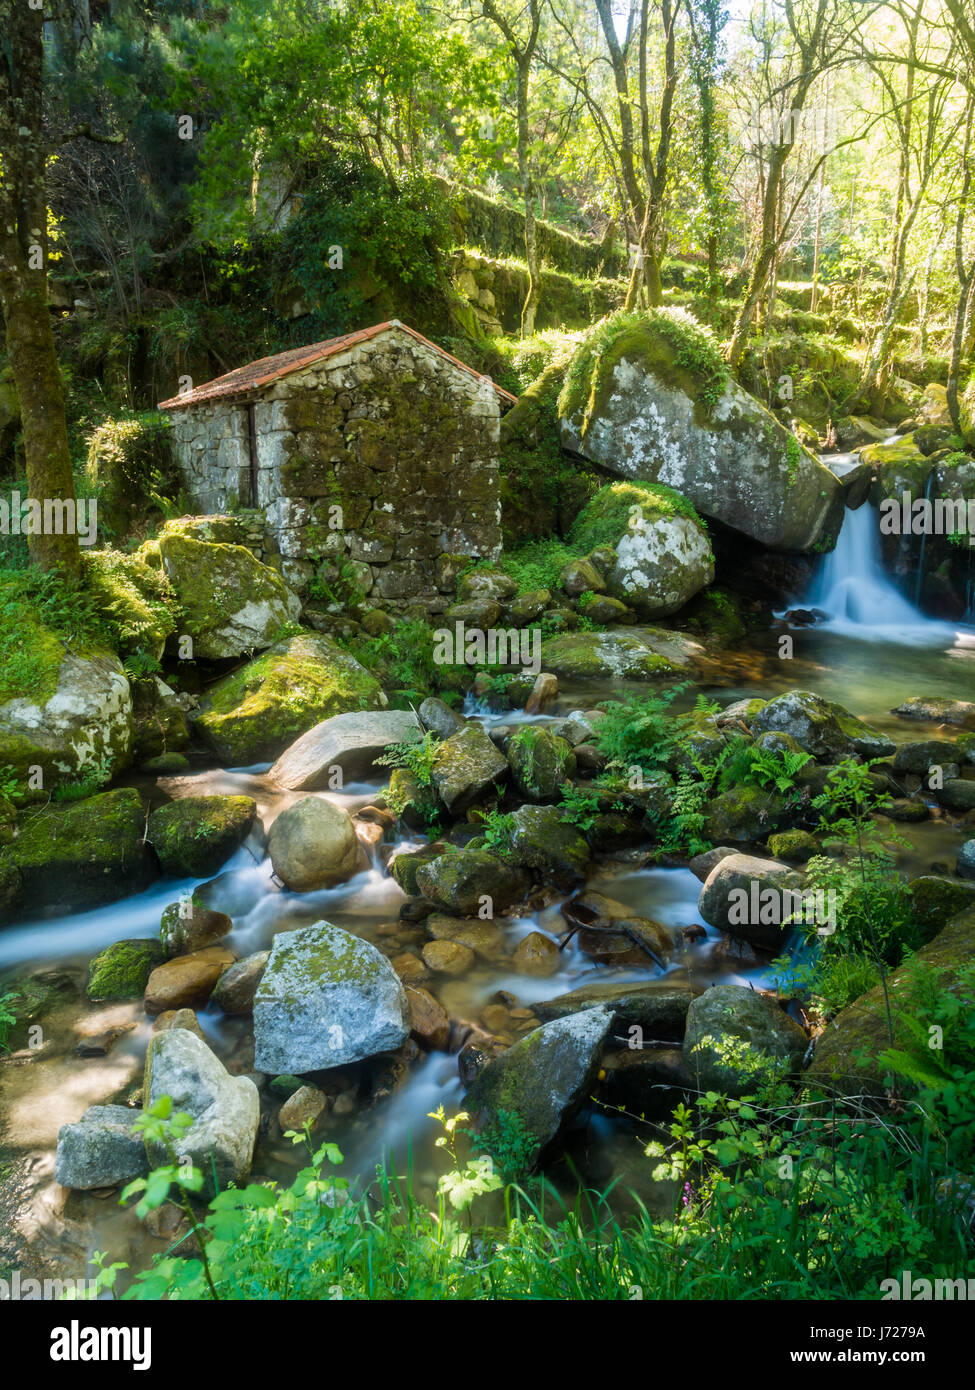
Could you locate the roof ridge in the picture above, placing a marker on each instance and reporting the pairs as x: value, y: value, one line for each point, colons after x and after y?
x: 242, y: 381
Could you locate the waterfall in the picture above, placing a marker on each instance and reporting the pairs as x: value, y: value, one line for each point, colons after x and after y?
x: 852, y: 588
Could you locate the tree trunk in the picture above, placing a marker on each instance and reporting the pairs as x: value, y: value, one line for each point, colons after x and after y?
x: 530, y: 306
x: 23, y: 276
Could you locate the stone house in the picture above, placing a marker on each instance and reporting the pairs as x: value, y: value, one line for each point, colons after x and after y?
x: 376, y: 448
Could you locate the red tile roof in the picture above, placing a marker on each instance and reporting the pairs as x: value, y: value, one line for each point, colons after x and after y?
x: 245, y: 382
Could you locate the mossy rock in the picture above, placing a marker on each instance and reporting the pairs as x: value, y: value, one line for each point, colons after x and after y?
x: 135, y: 599
x: 405, y: 867
x: 663, y: 554
x: 540, y: 762
x: 82, y: 855
x: 637, y: 653
x: 937, y: 900
x: 796, y: 846
x: 745, y: 814
x: 122, y: 970
x: 847, y: 1058
x: 253, y: 714
x: 195, y: 836
x: 649, y: 396
x: 232, y: 604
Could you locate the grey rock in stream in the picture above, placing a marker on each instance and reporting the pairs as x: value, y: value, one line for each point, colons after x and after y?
x: 326, y: 998
x: 102, y: 1150
x: 734, y: 1035
x: 543, y: 1080
x: 226, y: 1109
x: 351, y: 742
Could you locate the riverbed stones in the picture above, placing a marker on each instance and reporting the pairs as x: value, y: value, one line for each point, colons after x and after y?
x: 958, y: 794
x: 537, y: 954
x: 965, y: 867
x: 326, y: 998
x: 483, y: 938
x: 735, y: 1036
x: 465, y: 766
x: 936, y: 709
x: 543, y: 1080
x: 466, y: 880
x: 225, y: 1109
x: 80, y: 855
x: 122, y: 970
x: 256, y: 713
x: 313, y: 845
x: 235, y: 990
x: 189, y: 926
x: 305, y: 1107
x: 921, y: 756
x: 651, y: 399
x: 937, y: 900
x: 196, y: 835
x: 349, y: 742
x: 103, y: 1149
x: 447, y: 957
x: 429, y: 1024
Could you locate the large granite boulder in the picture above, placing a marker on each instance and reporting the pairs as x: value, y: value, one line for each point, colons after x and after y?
x: 751, y: 898
x: 465, y: 766
x: 651, y: 398
x: 326, y: 998
x: 633, y: 653
x: 255, y: 713
x: 226, y: 1109
x: 462, y: 880
x: 349, y: 742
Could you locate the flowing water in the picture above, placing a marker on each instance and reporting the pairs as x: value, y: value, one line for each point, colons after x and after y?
x: 872, y: 651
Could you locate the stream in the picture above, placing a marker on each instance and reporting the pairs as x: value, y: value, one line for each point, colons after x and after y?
x: 874, y: 650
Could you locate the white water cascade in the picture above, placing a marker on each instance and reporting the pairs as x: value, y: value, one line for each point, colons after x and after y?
x: 861, y: 601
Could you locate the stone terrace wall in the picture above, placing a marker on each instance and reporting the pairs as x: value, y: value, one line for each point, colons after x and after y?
x: 384, y: 455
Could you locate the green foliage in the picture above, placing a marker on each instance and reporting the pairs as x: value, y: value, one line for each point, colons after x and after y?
x: 578, y: 806
x: 538, y: 564
x: 496, y: 830
x: 748, y: 766
x: 131, y: 467
x: 641, y: 731
x: 403, y: 662
x: 8, y: 1016
x: 417, y: 757
x: 620, y: 508
x: 509, y: 1145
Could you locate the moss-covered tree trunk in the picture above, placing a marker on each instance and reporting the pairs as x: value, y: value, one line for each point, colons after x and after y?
x: 23, y: 275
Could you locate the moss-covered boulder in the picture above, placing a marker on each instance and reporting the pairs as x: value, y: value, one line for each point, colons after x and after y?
x: 465, y: 766
x: 746, y: 814
x: 936, y: 901
x: 326, y: 998
x: 65, y: 708
x: 186, y: 982
x: 464, y: 881
x: 663, y: 554
x: 122, y: 970
x: 232, y: 605
x: 81, y: 855
x: 796, y: 846
x: 540, y: 762
x: 195, y: 836
x: 638, y: 653
x: 407, y: 864
x: 136, y: 600
x: 846, y: 1060
x: 543, y: 1081
x: 252, y: 715
x: 736, y: 1037
x: 648, y: 395
x: 751, y: 898
x: 542, y: 840
x: 809, y: 719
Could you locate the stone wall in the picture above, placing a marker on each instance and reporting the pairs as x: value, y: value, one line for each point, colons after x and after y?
x: 382, y: 458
